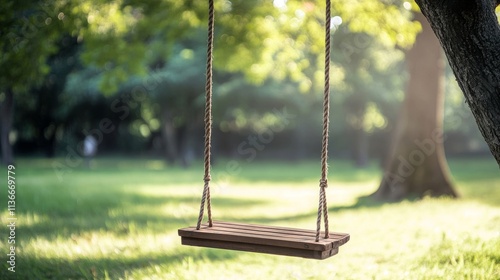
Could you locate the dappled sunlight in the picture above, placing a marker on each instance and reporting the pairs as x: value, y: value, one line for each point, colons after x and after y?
x: 347, y: 194
x: 128, y: 228
x: 165, y: 190
x: 104, y: 244
x: 29, y: 219
x: 136, y: 113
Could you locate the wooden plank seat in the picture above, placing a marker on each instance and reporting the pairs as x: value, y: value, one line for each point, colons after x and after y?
x: 264, y: 239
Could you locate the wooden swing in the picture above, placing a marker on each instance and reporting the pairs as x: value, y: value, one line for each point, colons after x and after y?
x: 262, y: 238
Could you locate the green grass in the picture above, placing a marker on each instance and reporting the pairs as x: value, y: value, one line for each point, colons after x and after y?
x: 120, y: 221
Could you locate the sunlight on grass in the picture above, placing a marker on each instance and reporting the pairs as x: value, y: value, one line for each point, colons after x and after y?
x: 119, y: 221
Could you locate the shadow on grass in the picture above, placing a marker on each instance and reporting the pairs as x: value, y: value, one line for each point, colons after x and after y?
x: 369, y: 201
x: 362, y: 202
x: 115, y: 213
x: 93, y: 215
x: 66, y: 216
x: 115, y: 266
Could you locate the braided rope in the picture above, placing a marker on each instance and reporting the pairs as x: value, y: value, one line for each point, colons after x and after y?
x: 325, y: 214
x: 323, y: 207
x: 208, y: 119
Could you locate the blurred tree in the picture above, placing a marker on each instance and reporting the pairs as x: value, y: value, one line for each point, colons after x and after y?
x: 29, y: 33
x: 179, y: 96
x: 416, y: 165
x: 46, y: 119
x: 261, y: 39
x: 7, y: 107
x: 371, y: 84
x: 86, y: 109
x: 470, y: 35
x: 249, y: 40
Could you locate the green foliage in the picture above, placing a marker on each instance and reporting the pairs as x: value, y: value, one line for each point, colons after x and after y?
x: 391, y: 27
x: 30, y: 30
x: 267, y: 55
x: 256, y: 38
x: 126, y: 37
x: 370, y: 86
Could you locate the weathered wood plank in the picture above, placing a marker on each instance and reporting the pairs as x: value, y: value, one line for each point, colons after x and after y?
x: 263, y: 239
x: 251, y: 232
x: 289, y: 232
x: 286, y: 229
x: 248, y: 236
x: 256, y: 248
x: 263, y: 228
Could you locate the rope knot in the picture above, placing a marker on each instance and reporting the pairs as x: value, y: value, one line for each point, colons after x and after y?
x: 207, y: 178
x: 323, y: 183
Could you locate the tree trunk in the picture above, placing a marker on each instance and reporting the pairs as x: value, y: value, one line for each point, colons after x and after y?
x: 469, y: 33
x: 168, y: 134
x: 417, y: 166
x: 51, y: 144
x: 7, y: 109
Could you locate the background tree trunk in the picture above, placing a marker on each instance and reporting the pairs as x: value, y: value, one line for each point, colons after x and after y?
x: 417, y: 165
x: 361, y: 145
x: 469, y: 33
x: 169, y: 136
x: 356, y: 106
x: 185, y: 139
x: 7, y: 108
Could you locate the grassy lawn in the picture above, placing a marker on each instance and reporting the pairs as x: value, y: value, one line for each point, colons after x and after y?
x: 120, y: 220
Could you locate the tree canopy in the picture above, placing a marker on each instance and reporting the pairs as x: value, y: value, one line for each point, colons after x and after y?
x: 141, y: 65
x: 128, y: 37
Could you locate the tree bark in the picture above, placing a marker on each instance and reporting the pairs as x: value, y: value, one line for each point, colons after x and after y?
x: 417, y: 165
x: 469, y: 33
x: 7, y: 109
x: 168, y: 134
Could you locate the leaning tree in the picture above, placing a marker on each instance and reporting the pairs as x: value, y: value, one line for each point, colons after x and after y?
x: 469, y: 33
x: 416, y: 164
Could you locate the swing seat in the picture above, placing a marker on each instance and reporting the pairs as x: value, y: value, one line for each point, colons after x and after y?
x: 264, y: 239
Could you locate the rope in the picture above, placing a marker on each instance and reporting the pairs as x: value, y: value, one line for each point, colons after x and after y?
x: 208, y: 119
x: 323, y: 206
